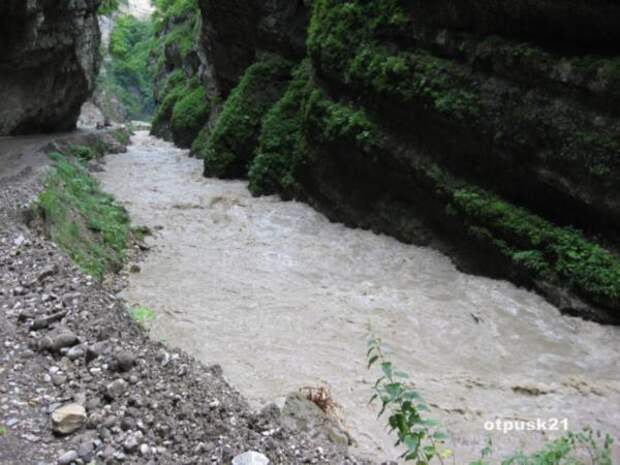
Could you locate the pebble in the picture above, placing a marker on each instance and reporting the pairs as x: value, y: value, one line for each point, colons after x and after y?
x: 68, y: 457
x: 116, y: 389
x: 250, y: 458
x: 68, y: 418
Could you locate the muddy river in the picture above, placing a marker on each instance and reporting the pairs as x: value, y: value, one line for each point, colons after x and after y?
x: 282, y: 299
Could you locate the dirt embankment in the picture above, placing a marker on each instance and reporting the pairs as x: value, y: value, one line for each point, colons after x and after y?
x: 81, y: 382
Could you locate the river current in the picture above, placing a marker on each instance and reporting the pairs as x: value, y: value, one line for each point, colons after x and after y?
x: 282, y: 298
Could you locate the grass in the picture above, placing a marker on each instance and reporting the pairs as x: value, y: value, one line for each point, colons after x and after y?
x: 3, y: 430
x: 142, y: 315
x: 82, y: 220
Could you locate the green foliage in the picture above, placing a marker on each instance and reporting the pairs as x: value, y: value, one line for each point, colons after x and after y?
x: 122, y: 135
x: 3, y: 430
x: 542, y: 247
x: 421, y: 437
x: 279, y: 151
x: 82, y: 152
x: 107, y: 7
x: 82, y: 220
x: 232, y: 142
x: 174, y: 89
x: 423, y: 440
x: 351, y: 40
x: 143, y: 316
x: 129, y: 72
x: 189, y: 114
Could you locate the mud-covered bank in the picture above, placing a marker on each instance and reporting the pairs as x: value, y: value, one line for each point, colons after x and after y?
x: 281, y: 298
x: 81, y: 382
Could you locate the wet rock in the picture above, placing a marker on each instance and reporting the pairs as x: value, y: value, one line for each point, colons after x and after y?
x: 68, y: 418
x: 250, y: 458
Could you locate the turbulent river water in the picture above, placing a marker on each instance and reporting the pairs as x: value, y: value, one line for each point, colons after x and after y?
x: 282, y: 299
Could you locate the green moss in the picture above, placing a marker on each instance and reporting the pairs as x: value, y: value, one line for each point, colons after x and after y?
x: 233, y: 140
x: 85, y: 222
x: 540, y: 246
x: 561, y: 255
x: 351, y: 40
x: 189, y: 114
x: 279, y: 151
x: 176, y: 86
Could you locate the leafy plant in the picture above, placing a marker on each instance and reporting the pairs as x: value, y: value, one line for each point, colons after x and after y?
x: 142, y: 315
x: 3, y: 430
x: 424, y: 441
x: 421, y: 437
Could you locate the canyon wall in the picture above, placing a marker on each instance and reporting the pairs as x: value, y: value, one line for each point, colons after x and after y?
x: 49, y: 60
x: 487, y: 129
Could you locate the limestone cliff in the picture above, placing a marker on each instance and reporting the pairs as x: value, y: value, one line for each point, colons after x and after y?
x: 49, y: 59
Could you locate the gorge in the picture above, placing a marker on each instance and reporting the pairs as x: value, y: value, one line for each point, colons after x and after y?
x: 445, y: 172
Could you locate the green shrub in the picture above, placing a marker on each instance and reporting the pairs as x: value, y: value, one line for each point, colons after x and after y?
x: 81, y: 152
x: 233, y: 140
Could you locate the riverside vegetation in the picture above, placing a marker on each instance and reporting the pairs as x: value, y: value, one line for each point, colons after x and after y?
x: 425, y: 442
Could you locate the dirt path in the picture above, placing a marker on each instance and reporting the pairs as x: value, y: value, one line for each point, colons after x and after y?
x: 281, y: 298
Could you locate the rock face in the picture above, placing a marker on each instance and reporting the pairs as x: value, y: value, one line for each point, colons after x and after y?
x: 488, y: 129
x: 49, y: 58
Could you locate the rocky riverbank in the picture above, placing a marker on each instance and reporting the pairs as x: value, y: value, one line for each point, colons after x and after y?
x: 80, y: 380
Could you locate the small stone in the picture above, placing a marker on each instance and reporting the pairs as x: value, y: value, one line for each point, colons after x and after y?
x: 116, y: 389
x: 124, y: 360
x: 250, y: 458
x: 44, y: 322
x: 145, y: 450
x: 19, y: 240
x: 68, y: 457
x: 85, y: 451
x: 46, y: 272
x: 59, y: 380
x: 55, y: 343
x: 68, y: 418
x: 75, y: 352
x: 132, y: 442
